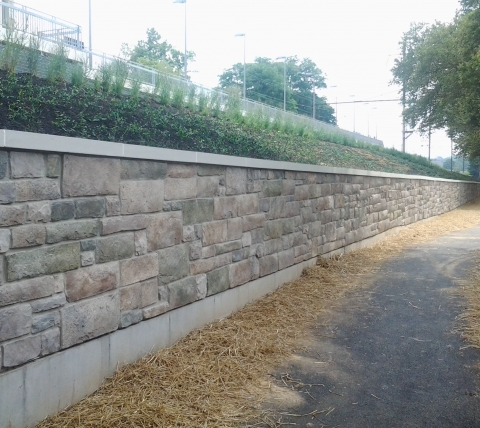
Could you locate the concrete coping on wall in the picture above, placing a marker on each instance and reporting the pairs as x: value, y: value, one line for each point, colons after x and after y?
x: 53, y: 143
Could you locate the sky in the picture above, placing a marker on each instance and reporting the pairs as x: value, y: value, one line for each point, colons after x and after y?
x: 354, y: 43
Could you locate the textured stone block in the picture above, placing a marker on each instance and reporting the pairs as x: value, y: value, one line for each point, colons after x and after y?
x: 236, y: 181
x: 123, y: 224
x: 218, y: 280
x: 90, y: 176
x: 198, y: 211
x: 288, y: 187
x: 234, y: 228
x: 246, y: 239
x: 140, y: 238
x: 272, y: 188
x: 130, y: 297
x: 214, y: 232
x: 225, y: 207
x: 12, y: 215
x: 112, y: 206
x: 210, y: 170
x: 208, y: 187
x: 88, y: 245
x: 39, y: 212
x: 141, y: 196
x: 15, y: 321
x: 28, y: 236
x: 90, y: 281
x: 63, y: 210
x: 203, y: 266
x: 4, y: 240
x: 54, y: 166
x: 149, y: 292
x: 45, y: 321
x: 50, y: 341
x: 29, y: 289
x: 139, y: 269
x: 132, y: 169
x: 90, y: 208
x: 37, y: 189
x: 155, y: 310
x: 3, y: 164
x: 43, y: 261
x: 71, y: 230
x: 180, y: 188
x: 164, y: 230
x: 286, y: 258
x: 196, y: 250
x: 7, y: 192
x: 183, y: 292
x: 302, y: 193
x: 240, y: 273
x: 247, y: 204
x: 268, y: 264
x: 173, y: 263
x: 42, y: 305
x: 129, y: 318
x: 21, y: 351
x: 177, y: 170
x: 253, y: 221
x: 273, y: 229
x: 228, y: 247
x: 116, y: 247
x: 27, y: 165
x: 90, y: 318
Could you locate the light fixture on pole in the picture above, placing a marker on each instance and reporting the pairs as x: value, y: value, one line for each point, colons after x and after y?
x: 90, y: 59
x: 244, y: 66
x: 284, y: 81
x: 185, y: 26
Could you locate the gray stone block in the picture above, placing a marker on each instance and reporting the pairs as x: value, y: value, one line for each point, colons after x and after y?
x: 173, y: 263
x: 7, y: 192
x: 302, y: 193
x: 12, y: 215
x: 90, y: 281
x: 87, y: 319
x: 50, y: 341
x: 42, y: 305
x: 90, y: 208
x: 273, y: 229
x: 149, y: 293
x: 214, y: 232
x: 183, y: 292
x: 45, y: 321
x: 218, y: 280
x: 253, y: 221
x: 139, y: 269
x: 116, y: 247
x: 28, y: 236
x: 227, y: 247
x: 286, y: 258
x: 4, y: 240
x: 62, y: 210
x: 268, y: 264
x: 15, y: 321
x: 129, y: 318
x: 27, y: 165
x: 236, y: 181
x: 197, y: 211
x: 133, y: 169
x: 277, y: 208
x: 37, y: 189
x: 21, y: 351
x: 225, y: 207
x: 240, y: 273
x: 155, y: 310
x: 288, y: 187
x: 196, y: 250
x: 39, y: 212
x: 87, y: 258
x: 180, y: 188
x: 54, y: 166
x: 3, y: 164
x: 140, y: 238
x: 210, y: 170
x: 90, y: 176
x: 130, y: 297
x: 88, y: 244
x: 208, y: 187
x: 177, y: 170
x: 71, y: 230
x: 164, y: 230
x: 141, y: 196
x: 29, y: 289
x: 112, y: 206
x: 234, y: 228
x: 247, y: 204
x: 123, y: 224
x: 43, y: 261
x: 272, y: 188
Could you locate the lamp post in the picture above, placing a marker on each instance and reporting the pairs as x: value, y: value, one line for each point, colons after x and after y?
x: 368, y: 119
x: 353, y: 96
x: 244, y: 67
x: 90, y: 59
x: 376, y: 122
x: 284, y: 81
x: 336, y: 101
x: 185, y: 26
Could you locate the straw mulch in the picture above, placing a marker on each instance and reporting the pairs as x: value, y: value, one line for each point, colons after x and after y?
x: 218, y: 376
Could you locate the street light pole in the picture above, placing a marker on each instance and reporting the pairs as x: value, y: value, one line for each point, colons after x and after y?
x: 185, y: 27
x: 90, y: 59
x: 244, y: 66
x: 284, y: 81
x: 353, y: 96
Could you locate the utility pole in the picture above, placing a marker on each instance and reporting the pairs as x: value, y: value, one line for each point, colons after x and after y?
x: 404, y: 51
x: 429, y: 141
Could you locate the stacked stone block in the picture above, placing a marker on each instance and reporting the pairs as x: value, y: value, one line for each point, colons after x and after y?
x: 89, y: 245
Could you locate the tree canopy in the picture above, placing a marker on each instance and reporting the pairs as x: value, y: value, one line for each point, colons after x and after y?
x: 155, y: 53
x: 439, y: 69
x: 265, y: 83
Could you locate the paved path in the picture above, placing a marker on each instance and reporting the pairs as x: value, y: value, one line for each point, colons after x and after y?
x: 388, y: 357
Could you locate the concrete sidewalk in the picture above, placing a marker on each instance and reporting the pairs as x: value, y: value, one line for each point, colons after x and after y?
x: 388, y: 357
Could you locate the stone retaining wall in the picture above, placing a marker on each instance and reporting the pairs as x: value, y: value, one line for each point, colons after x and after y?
x: 90, y: 244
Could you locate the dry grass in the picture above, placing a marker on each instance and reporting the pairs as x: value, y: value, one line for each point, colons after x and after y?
x: 218, y: 376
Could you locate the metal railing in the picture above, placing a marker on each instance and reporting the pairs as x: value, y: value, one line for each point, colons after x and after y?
x: 57, y: 31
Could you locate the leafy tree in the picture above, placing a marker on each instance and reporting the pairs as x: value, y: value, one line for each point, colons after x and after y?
x: 440, y: 71
x: 265, y: 83
x: 157, y: 54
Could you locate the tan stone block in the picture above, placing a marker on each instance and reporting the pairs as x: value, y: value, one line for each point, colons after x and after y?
x: 247, y: 204
x: 149, y: 293
x: 139, y: 269
x: 225, y: 207
x: 123, y: 223
x: 164, y: 230
x: 208, y: 186
x: 28, y: 236
x: 214, y: 232
x: 37, y: 189
x: 253, y: 221
x: 180, y: 188
x: 234, y: 228
x: 130, y: 297
x: 177, y: 170
x: 144, y: 196
x: 236, y: 181
x: 240, y: 273
x: 27, y: 165
x: 155, y: 310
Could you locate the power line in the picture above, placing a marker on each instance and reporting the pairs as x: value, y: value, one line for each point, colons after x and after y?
x: 366, y: 101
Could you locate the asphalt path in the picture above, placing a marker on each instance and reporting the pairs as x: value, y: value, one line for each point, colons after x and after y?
x: 389, y: 355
